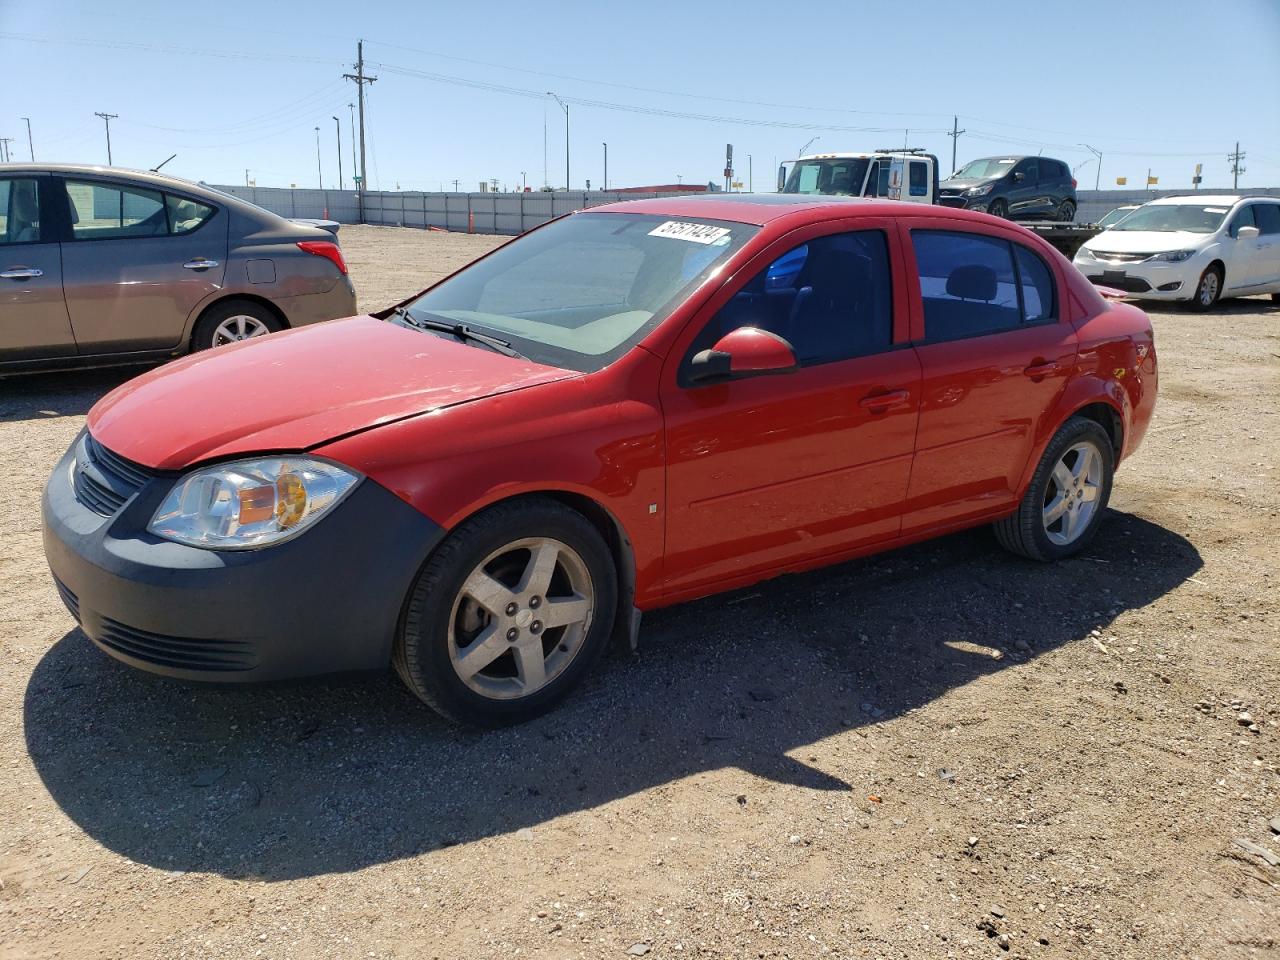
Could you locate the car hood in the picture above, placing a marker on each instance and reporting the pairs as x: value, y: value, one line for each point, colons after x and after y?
x: 298, y: 389
x: 1146, y: 241
x: 964, y: 183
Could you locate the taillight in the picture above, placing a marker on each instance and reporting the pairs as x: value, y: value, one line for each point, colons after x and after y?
x: 323, y: 248
x: 1073, y: 183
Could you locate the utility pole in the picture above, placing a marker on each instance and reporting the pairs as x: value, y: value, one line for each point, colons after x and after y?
x: 29, y: 144
x: 1237, y: 168
x: 565, y: 106
x: 455, y: 186
x: 4, y: 148
x: 319, y: 169
x: 360, y: 81
x: 246, y: 176
x: 352, y: 108
x: 107, y: 118
x: 337, y: 130
x: 1097, y: 178
x: 955, y: 139
x: 524, y: 182
x: 606, y: 166
x: 751, y: 177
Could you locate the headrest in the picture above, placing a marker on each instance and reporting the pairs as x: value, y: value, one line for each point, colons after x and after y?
x: 972, y: 282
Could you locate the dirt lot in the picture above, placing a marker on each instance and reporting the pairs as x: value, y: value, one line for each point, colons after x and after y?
x: 877, y: 760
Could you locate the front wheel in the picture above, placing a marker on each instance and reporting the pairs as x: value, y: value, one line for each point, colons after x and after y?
x: 509, y: 614
x: 999, y: 208
x: 1060, y: 512
x: 1208, y: 289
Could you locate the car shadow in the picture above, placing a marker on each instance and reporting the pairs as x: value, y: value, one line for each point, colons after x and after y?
x: 42, y: 396
x: 1231, y: 306
x: 293, y: 780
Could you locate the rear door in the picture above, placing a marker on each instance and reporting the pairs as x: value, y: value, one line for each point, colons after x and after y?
x: 33, y: 315
x: 996, y: 354
x: 1266, y: 257
x: 137, y: 262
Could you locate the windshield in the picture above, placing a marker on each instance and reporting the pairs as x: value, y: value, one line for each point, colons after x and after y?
x: 834, y: 177
x: 1174, y: 217
x: 1115, y: 216
x: 984, y: 169
x: 581, y: 291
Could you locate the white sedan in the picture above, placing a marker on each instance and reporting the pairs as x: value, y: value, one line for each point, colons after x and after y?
x: 1195, y: 249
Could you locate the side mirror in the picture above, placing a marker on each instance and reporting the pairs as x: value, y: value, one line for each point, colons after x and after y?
x: 782, y: 177
x: 745, y: 352
x: 1247, y: 233
x: 1018, y: 176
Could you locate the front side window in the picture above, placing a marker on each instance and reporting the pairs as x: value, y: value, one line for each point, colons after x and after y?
x: 830, y: 298
x: 1268, y: 217
x: 1243, y: 218
x: 1028, y: 169
x: 19, y: 211
x: 919, y: 179
x: 101, y: 211
x: 967, y: 283
x: 579, y: 292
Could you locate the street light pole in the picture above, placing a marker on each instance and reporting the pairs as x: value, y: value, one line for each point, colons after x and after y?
x: 337, y: 128
x: 319, y: 170
x: 29, y: 144
x: 1097, y: 180
x: 807, y: 146
x: 354, y: 168
x: 751, y: 177
x: 606, y: 166
x: 565, y: 107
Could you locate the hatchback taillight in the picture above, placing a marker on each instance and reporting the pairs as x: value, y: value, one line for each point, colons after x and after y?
x: 323, y: 248
x: 1073, y: 183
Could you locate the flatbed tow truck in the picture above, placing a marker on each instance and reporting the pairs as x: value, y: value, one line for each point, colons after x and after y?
x: 908, y: 174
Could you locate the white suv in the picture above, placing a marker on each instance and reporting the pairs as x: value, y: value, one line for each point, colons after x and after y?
x: 1195, y: 249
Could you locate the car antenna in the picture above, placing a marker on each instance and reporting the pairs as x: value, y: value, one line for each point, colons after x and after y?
x: 156, y: 168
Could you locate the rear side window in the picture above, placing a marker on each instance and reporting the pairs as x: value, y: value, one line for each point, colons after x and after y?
x: 1268, y: 217
x: 968, y: 284
x: 185, y: 215
x: 101, y: 211
x: 1035, y: 282
x: 830, y: 298
x: 19, y: 211
x: 919, y: 182
x: 1051, y: 170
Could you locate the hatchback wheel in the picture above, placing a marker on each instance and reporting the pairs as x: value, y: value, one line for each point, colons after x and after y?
x: 232, y: 321
x: 1063, y: 505
x: 1207, y: 290
x: 999, y: 208
x: 508, y: 614
x: 1067, y: 212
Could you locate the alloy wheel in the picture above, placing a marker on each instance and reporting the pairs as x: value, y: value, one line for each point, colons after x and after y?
x: 1071, y: 499
x: 520, y: 618
x: 239, y: 327
x: 1208, y: 291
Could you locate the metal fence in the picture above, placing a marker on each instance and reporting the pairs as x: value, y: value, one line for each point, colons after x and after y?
x: 513, y: 213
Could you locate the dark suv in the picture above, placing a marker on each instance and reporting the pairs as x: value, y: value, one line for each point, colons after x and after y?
x: 1017, y: 188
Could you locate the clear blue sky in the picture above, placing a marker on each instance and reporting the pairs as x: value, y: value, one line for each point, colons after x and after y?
x: 237, y: 85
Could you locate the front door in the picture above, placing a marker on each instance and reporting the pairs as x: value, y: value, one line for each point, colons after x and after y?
x: 1024, y: 194
x: 137, y: 263
x: 774, y: 470
x: 33, y: 315
x: 996, y: 355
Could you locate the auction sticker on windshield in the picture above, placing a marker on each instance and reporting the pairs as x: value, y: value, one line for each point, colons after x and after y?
x: 693, y: 232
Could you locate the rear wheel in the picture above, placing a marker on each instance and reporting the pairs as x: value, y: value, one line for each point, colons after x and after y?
x: 1208, y: 290
x: 999, y: 208
x: 232, y: 321
x: 1067, y: 212
x: 509, y: 614
x: 1060, y: 512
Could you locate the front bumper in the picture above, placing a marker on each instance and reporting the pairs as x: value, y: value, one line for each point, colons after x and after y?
x: 326, y: 601
x: 1146, y: 279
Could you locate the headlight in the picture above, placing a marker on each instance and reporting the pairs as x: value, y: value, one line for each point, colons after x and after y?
x: 250, y: 503
x: 981, y: 191
x: 1175, y: 256
x: 1084, y: 253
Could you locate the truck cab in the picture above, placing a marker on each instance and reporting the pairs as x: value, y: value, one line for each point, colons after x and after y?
x: 909, y: 174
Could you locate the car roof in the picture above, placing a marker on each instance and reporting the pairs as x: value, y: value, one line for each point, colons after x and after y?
x: 762, y: 208
x: 1203, y: 199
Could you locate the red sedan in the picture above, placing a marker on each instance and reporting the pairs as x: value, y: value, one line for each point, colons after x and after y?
x: 629, y: 407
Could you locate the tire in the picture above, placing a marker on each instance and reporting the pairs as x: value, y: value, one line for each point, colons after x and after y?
x: 1027, y: 531
x: 999, y: 208
x: 1208, y: 290
x: 1275, y: 298
x: 1067, y: 212
x: 443, y: 622
x: 233, y: 320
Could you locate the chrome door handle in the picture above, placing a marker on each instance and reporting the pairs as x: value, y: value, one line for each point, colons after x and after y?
x: 1040, y: 370
x: 882, y: 401
x: 200, y: 263
x: 21, y: 273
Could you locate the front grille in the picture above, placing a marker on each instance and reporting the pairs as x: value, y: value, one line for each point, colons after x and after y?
x: 951, y: 201
x: 71, y: 601
x: 181, y: 652
x: 1127, y: 284
x: 1121, y: 257
x: 103, y: 480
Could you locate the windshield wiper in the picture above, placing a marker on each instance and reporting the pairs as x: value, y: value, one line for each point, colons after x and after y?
x: 461, y: 331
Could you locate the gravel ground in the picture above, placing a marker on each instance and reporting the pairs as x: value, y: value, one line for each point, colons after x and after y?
x: 940, y: 752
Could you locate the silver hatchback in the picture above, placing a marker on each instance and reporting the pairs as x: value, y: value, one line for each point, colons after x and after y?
x: 103, y: 266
